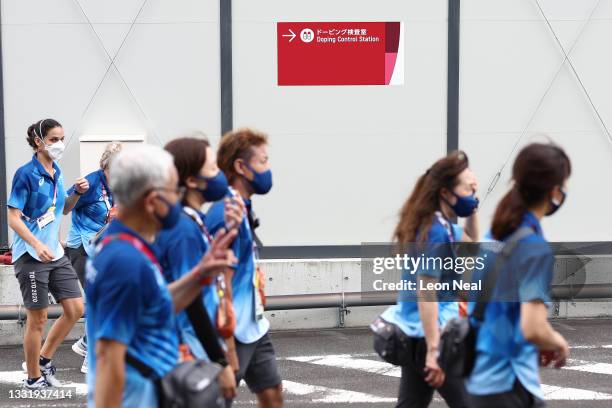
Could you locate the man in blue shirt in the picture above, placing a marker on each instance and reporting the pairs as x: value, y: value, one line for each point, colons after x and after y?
x: 35, y: 210
x: 243, y: 157
x: 130, y: 309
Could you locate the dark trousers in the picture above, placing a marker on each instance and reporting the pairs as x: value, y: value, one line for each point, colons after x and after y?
x: 78, y: 258
x: 414, y: 392
x: 517, y: 397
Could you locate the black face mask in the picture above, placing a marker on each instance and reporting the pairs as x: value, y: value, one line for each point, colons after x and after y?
x: 555, y: 206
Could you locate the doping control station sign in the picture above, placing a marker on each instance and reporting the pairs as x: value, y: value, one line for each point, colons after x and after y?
x: 341, y: 53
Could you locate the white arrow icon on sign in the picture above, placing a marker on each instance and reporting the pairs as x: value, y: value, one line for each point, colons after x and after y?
x: 292, y: 35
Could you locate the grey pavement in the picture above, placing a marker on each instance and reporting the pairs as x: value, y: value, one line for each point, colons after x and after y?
x: 337, y: 368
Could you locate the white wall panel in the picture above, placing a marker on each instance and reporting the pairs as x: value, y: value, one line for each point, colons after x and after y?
x: 508, y: 58
x: 369, y: 143
x: 53, y: 63
x: 344, y: 158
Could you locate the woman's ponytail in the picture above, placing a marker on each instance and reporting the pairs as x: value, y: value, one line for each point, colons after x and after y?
x: 39, y: 130
x: 508, y: 214
x: 537, y: 170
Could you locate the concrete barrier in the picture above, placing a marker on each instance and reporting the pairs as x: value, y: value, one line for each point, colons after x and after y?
x: 311, y: 276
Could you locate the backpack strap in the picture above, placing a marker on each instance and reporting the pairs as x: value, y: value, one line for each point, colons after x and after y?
x: 491, y: 277
x: 191, y: 213
x: 141, y: 367
x: 135, y: 242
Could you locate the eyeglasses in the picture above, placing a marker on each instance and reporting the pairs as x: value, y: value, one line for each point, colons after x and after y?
x: 178, y: 190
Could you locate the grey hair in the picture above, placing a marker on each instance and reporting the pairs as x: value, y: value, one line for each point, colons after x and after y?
x: 110, y: 151
x: 135, y: 171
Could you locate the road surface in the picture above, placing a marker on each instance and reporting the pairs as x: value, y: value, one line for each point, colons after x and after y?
x: 337, y: 368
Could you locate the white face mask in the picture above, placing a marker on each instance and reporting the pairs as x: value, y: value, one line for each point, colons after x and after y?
x: 55, y: 150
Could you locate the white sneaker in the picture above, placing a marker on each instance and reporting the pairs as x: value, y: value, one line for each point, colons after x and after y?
x: 80, y: 347
x: 84, y: 366
x: 42, y: 389
x: 48, y: 371
x: 37, y: 385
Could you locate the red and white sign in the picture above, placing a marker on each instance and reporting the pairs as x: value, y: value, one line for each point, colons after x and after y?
x: 341, y: 53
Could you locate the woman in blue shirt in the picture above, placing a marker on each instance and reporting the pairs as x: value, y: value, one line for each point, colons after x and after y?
x: 506, y: 372
x: 91, y: 212
x: 180, y: 248
x: 35, y: 209
x: 446, y: 190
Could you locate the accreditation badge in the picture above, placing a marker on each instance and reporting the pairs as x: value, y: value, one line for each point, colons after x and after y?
x: 259, y: 306
x: 47, y: 218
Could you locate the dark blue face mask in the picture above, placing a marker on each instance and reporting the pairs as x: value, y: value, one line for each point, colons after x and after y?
x: 555, y: 206
x: 262, y: 182
x: 465, y: 205
x: 216, y: 187
x: 174, y: 213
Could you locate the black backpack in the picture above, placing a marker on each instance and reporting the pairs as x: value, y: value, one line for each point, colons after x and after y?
x: 190, y: 384
x: 458, y: 339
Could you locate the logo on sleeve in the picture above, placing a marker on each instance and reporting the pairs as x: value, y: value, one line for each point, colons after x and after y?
x: 41, y: 181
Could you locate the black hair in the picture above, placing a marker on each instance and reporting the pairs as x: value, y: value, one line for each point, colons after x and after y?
x: 40, y: 130
x: 537, y: 170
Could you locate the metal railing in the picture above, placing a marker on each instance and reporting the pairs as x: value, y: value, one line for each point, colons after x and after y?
x: 346, y: 300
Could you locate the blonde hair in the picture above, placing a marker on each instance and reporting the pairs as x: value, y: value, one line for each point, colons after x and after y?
x: 135, y: 172
x: 110, y: 151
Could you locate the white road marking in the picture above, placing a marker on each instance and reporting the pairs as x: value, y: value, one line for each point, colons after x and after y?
x: 589, y: 347
x: 325, y: 395
x: 17, y: 377
x: 308, y: 260
x: 317, y: 394
x: 552, y: 392
x: 346, y: 361
x: 597, y: 368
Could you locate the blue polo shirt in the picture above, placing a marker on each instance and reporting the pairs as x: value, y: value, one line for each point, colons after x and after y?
x: 248, y: 328
x: 128, y: 302
x: 33, y: 193
x: 503, y: 354
x: 179, y: 250
x: 90, y: 212
x: 405, y: 314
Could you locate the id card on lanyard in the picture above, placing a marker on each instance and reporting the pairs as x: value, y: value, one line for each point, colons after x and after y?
x: 106, y: 197
x: 207, y: 238
x: 258, y: 306
x: 257, y: 300
x: 49, y: 216
x: 448, y: 226
x: 196, y: 218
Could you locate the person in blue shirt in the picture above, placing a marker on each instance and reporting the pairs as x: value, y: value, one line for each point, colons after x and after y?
x: 515, y: 326
x: 446, y: 190
x: 35, y: 209
x: 243, y: 157
x: 90, y: 214
x: 179, y: 249
x: 130, y: 306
